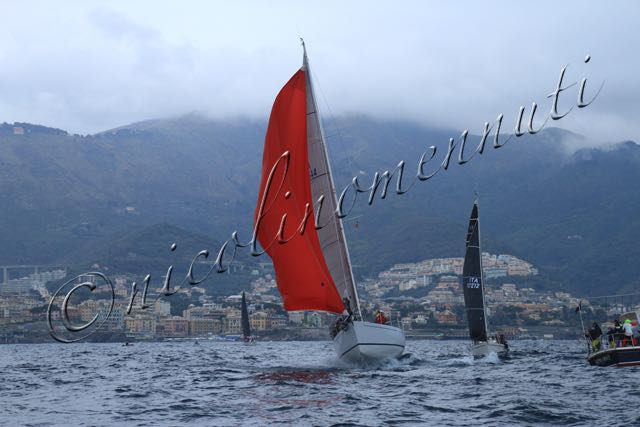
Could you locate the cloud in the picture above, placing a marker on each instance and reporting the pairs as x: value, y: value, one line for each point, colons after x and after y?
x: 89, y: 66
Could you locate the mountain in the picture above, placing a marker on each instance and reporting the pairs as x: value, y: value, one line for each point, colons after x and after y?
x: 66, y: 192
x: 68, y: 197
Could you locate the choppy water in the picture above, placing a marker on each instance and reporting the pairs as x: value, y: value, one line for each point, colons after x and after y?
x: 301, y: 383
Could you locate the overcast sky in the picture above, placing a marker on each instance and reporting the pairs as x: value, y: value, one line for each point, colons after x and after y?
x: 86, y: 66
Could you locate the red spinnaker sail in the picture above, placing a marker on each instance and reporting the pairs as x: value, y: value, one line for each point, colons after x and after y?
x: 302, y: 274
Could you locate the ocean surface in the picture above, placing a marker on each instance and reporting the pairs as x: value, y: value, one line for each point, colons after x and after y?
x: 302, y: 383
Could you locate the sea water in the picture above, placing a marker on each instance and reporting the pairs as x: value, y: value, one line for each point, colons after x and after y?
x: 301, y: 383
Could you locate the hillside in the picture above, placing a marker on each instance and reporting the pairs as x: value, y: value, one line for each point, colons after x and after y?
x: 68, y: 197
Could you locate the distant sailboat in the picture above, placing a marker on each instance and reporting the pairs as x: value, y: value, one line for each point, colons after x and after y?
x: 313, y: 268
x: 246, y: 326
x: 473, y: 287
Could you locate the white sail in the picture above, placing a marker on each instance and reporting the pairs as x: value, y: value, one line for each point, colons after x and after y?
x: 331, y: 235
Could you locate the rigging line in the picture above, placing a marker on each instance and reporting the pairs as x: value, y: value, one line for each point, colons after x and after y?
x: 337, y: 130
x: 351, y: 218
x: 337, y: 134
x: 610, y: 296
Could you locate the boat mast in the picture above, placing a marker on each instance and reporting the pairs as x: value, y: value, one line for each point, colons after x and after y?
x: 345, y: 259
x: 484, y: 305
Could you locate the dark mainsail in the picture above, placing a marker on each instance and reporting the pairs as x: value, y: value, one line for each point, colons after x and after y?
x: 472, y: 280
x: 246, y: 328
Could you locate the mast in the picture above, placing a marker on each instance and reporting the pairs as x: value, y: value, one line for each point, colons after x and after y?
x: 484, y: 305
x: 331, y: 235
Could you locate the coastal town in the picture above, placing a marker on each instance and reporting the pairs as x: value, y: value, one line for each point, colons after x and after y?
x: 424, y: 298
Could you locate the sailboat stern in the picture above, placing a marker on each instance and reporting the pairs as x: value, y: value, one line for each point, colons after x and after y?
x: 485, y: 348
x: 369, y: 343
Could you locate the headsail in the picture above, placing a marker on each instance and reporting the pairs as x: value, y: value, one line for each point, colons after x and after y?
x: 246, y: 327
x: 331, y: 235
x: 472, y: 280
x: 304, y: 279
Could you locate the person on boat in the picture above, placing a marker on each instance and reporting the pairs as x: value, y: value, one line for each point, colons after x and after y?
x: 617, y: 329
x: 501, y: 339
x: 347, y: 306
x: 336, y: 327
x: 611, y: 332
x: 594, y: 335
x: 341, y: 324
x: 628, y: 333
x: 381, y: 318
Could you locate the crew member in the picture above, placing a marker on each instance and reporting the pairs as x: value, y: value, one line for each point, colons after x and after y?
x: 347, y: 305
x: 611, y: 335
x: 501, y: 339
x: 628, y: 333
x: 381, y: 318
x: 617, y: 328
x: 594, y: 335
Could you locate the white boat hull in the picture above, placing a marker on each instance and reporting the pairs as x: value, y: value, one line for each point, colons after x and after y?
x: 367, y: 343
x: 485, y: 348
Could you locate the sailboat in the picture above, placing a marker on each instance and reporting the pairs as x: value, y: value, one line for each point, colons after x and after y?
x: 246, y: 327
x: 312, y: 264
x: 473, y: 288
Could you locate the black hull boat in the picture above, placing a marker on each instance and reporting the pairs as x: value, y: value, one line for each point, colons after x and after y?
x: 473, y: 288
x: 617, y: 348
x: 618, y: 357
